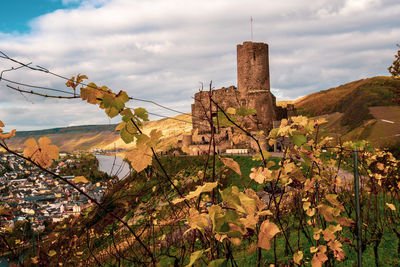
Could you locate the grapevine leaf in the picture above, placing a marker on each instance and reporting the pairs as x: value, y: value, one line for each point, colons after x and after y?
x: 43, y: 153
x: 140, y: 158
x: 391, y: 206
x: 260, y: 175
x: 197, y: 220
x: 114, y: 104
x: 299, y: 139
x: 297, y: 257
x: 207, y: 187
x: 155, y: 136
x: 92, y: 93
x: 194, y: 257
x: 230, y: 163
x: 336, y: 246
x: 142, y: 114
x: 267, y: 231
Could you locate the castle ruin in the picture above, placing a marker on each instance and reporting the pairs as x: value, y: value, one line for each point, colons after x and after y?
x: 253, y: 92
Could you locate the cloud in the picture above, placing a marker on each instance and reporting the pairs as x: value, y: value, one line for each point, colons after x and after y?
x: 160, y: 50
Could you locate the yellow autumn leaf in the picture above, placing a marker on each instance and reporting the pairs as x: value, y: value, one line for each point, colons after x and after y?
x: 310, y: 212
x: 319, y: 257
x: 297, y: 257
x: 344, y: 221
x: 7, y: 135
x: 317, y: 234
x: 194, y: 257
x: 140, y: 157
x: 336, y: 246
x: 391, y: 206
x: 42, y: 153
x: 197, y: 220
x: 207, y: 187
x: 80, y: 179
x: 260, y: 175
x: 230, y: 163
x: 306, y: 205
x: 155, y: 136
x: 267, y: 231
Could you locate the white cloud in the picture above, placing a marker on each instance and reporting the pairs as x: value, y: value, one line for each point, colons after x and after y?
x: 160, y: 50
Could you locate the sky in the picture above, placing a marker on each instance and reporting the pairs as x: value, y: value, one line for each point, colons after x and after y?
x: 161, y: 50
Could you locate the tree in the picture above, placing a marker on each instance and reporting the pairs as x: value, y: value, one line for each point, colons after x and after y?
x: 394, y: 69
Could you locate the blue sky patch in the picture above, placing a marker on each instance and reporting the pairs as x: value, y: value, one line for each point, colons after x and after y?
x: 16, y: 14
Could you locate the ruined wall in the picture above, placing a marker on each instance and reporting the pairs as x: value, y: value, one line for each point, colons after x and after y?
x: 252, y: 67
x: 225, y: 97
x: 264, y: 103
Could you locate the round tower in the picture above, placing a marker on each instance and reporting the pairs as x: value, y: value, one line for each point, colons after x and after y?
x: 252, y: 67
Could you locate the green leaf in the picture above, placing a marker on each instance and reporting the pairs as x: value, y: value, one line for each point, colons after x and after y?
x: 218, y: 263
x: 299, y: 139
x: 142, y: 114
x: 194, y: 257
x: 127, y: 136
x: 114, y: 104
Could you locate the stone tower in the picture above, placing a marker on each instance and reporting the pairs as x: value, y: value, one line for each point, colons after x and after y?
x: 252, y: 67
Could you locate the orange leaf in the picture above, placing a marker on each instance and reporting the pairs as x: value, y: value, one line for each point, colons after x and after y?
x: 267, y: 231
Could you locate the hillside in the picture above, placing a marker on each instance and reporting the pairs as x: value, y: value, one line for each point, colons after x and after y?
x: 365, y: 109
x: 103, y: 136
x: 352, y: 99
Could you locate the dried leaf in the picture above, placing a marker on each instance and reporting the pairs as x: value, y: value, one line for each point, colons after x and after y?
x: 260, y: 175
x: 391, y: 206
x: 140, y: 157
x: 43, y: 153
x: 197, y: 220
x: 297, y: 257
x: 267, y: 231
x: 230, y: 163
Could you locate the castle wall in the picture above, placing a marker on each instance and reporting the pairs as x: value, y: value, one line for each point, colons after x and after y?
x: 253, y: 92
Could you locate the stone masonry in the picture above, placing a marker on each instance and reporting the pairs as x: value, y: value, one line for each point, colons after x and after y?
x: 253, y: 92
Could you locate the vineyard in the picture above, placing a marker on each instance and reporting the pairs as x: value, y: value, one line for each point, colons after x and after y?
x: 212, y: 210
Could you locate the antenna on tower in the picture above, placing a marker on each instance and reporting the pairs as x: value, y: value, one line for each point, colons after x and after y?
x: 251, y: 27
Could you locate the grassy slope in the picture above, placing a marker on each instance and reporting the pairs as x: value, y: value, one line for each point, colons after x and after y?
x: 355, y: 110
x: 352, y: 99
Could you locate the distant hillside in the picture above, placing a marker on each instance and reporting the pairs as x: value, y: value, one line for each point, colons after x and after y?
x: 70, y: 138
x: 103, y: 136
x: 352, y: 99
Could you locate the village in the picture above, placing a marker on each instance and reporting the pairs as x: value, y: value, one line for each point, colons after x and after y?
x: 37, y: 197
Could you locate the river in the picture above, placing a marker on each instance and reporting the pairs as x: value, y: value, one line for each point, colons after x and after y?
x: 113, y: 165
